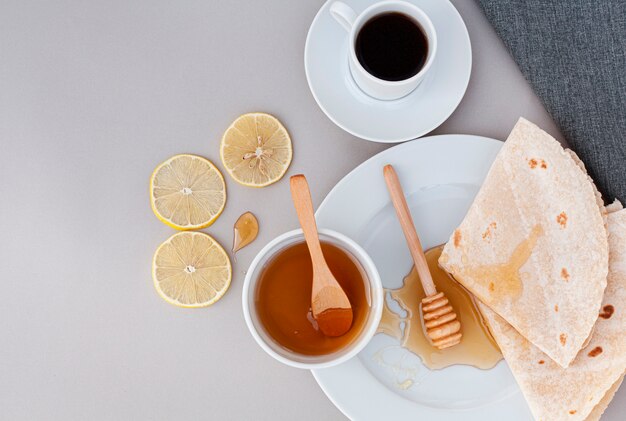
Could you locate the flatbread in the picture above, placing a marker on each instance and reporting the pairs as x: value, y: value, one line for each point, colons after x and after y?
x: 599, y: 409
x: 533, y: 245
x: 581, y: 391
x: 596, y: 192
x: 613, y: 207
x: 597, y: 412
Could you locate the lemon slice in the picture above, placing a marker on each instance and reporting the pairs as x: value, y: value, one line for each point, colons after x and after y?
x: 256, y: 150
x: 191, y: 269
x: 187, y: 192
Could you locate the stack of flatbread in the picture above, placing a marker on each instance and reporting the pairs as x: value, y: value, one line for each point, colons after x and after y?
x: 547, y: 262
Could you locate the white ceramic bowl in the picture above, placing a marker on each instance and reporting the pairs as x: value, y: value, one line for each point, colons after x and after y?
x: 287, y: 356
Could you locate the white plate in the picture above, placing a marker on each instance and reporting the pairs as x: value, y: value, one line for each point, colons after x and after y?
x: 440, y: 175
x: 326, y: 66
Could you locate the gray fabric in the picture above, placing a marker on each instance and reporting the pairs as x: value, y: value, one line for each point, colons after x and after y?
x: 573, y: 53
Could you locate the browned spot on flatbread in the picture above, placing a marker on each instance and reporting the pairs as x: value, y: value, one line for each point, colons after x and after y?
x: 564, y: 274
x: 607, y: 311
x: 544, y: 165
x: 492, y: 287
x: 595, y: 352
x: 542, y: 362
x: 562, y: 219
x: 457, y: 238
x: 556, y: 308
x: 572, y: 412
x: 532, y: 163
x: 563, y: 338
x: 487, y: 233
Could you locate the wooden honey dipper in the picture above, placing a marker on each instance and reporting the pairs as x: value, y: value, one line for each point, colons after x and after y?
x: 440, y: 321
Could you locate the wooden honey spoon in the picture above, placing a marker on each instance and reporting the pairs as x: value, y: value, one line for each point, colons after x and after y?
x: 440, y: 321
x: 329, y: 303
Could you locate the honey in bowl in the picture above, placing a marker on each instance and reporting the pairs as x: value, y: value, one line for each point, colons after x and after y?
x: 283, y: 298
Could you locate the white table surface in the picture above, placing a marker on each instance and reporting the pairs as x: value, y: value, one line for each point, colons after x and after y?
x: 93, y: 95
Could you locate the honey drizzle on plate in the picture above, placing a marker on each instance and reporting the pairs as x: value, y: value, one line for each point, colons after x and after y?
x: 477, y: 347
x: 390, y: 323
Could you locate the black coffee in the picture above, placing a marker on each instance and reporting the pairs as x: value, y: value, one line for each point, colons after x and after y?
x: 392, y: 46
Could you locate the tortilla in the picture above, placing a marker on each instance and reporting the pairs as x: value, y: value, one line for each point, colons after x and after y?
x: 597, y: 412
x: 533, y: 245
x: 596, y: 192
x: 585, y: 388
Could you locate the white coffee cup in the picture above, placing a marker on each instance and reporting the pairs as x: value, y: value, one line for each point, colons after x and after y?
x: 353, y: 22
x: 374, y: 290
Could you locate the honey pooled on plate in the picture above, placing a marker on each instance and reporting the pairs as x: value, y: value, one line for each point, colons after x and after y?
x: 283, y: 298
x: 477, y: 347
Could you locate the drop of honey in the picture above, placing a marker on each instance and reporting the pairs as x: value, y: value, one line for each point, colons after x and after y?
x: 477, y: 347
x: 246, y: 230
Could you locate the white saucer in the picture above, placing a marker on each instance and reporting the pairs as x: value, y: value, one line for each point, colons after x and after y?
x: 326, y: 66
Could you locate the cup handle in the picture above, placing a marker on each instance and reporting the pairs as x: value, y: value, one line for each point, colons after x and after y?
x: 343, y: 14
